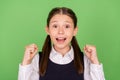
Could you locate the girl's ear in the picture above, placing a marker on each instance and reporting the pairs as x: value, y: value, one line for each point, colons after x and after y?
x: 75, y: 31
x: 47, y: 30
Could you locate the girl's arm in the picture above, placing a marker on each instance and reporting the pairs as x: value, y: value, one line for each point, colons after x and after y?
x: 30, y: 71
x: 92, y: 71
x: 93, y: 68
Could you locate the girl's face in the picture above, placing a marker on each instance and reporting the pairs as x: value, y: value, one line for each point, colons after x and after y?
x: 61, y: 30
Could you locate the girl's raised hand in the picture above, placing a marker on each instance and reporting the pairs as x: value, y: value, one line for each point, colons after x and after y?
x: 30, y: 52
x: 91, y: 53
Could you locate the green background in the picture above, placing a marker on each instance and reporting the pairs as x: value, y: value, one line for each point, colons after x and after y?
x: 23, y: 22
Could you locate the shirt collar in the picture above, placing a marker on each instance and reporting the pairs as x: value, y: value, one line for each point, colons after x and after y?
x: 55, y: 56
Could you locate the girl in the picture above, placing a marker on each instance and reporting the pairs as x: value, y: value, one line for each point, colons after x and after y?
x: 61, y: 57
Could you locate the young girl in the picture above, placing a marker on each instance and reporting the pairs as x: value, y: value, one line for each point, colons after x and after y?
x: 61, y: 57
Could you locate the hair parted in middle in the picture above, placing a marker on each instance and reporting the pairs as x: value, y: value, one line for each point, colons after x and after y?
x: 78, y: 55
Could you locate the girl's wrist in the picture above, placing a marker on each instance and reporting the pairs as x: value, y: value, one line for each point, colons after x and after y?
x: 95, y: 61
x: 26, y: 63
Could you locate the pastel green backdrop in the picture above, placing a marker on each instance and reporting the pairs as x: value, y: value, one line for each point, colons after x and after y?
x: 23, y: 22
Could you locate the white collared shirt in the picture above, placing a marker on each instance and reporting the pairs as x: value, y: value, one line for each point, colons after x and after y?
x: 31, y: 71
x: 59, y: 58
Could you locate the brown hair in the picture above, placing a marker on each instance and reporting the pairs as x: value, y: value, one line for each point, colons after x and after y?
x: 78, y: 55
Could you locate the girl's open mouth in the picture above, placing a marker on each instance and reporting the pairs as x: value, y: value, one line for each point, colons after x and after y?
x: 60, y: 40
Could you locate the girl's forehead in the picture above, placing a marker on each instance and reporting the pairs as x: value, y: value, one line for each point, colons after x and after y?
x: 61, y: 17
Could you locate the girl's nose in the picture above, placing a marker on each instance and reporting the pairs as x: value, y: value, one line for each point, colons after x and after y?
x: 61, y: 30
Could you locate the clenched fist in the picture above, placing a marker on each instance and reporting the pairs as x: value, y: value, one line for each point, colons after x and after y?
x: 91, y: 53
x: 30, y: 52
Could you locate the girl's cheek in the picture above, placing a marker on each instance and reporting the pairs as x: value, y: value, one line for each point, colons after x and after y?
x: 69, y: 33
x: 54, y: 32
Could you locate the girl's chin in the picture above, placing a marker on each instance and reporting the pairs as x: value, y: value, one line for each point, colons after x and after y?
x: 60, y: 46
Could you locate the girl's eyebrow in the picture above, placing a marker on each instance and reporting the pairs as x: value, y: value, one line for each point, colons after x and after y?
x: 68, y: 22
x: 53, y: 21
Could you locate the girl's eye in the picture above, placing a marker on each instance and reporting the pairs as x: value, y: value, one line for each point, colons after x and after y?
x: 54, y: 26
x: 67, y: 26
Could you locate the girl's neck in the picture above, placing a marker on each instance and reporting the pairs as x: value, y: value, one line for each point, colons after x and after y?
x: 62, y: 51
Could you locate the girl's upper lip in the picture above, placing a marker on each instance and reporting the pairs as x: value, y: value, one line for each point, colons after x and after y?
x: 60, y: 37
